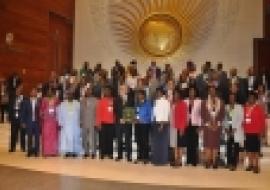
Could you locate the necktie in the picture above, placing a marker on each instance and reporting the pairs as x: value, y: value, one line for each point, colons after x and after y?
x: 190, y: 111
x: 33, y: 110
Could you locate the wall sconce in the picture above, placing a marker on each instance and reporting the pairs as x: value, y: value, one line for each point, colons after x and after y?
x: 9, y: 38
x: 9, y: 45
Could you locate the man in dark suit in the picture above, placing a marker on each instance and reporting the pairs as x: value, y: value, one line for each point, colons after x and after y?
x: 14, y: 81
x: 154, y: 70
x: 30, y: 119
x: 249, y: 84
x: 125, y: 113
x: 223, y: 83
x: 117, y: 72
x: 263, y: 79
x: 202, y: 83
x: 15, y: 117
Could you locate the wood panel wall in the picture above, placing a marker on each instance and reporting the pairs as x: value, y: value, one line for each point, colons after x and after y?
x: 34, y: 28
x: 267, y: 18
x: 262, y: 46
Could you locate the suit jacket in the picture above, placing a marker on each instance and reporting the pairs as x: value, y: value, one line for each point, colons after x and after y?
x: 118, y: 108
x: 223, y: 87
x: 207, y: 119
x: 158, y: 71
x: 27, y: 112
x: 201, y: 86
x: 12, y: 85
x: 88, y: 112
x: 255, y: 83
x: 263, y: 80
x: 195, y: 115
x: 15, y: 112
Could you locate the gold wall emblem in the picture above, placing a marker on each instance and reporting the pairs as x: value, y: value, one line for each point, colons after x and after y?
x: 160, y: 35
x: 161, y: 28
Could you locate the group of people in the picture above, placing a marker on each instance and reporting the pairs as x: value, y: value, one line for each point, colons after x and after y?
x: 83, y: 113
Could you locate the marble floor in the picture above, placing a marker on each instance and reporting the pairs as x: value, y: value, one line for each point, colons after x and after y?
x: 125, y: 173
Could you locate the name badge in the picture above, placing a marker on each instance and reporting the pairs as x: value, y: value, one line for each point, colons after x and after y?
x: 16, y: 115
x: 230, y: 122
x: 39, y: 95
x: 184, y: 85
x: 110, y: 109
x: 248, y: 120
x: 51, y: 111
x: 213, y: 113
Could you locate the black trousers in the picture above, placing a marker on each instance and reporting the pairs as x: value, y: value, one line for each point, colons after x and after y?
x: 33, y: 133
x: 232, y: 152
x: 4, y: 109
x: 142, y: 136
x: 192, y: 139
x: 106, y: 140
x: 124, y: 130
x: 15, y: 130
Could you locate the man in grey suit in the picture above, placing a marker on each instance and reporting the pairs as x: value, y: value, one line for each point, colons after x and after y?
x: 88, y: 122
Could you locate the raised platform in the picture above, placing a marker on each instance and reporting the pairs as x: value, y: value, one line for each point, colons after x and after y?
x: 92, y: 171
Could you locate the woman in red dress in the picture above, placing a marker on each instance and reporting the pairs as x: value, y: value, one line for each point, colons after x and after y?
x: 254, y: 125
x: 180, y: 124
x: 49, y: 125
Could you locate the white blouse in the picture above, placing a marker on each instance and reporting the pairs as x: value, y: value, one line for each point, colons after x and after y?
x: 161, y: 110
x: 195, y: 116
x: 236, y: 121
x: 132, y: 82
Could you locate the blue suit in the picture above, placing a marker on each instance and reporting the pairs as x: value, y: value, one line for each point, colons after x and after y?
x: 144, y: 115
x: 32, y: 124
x: 144, y: 112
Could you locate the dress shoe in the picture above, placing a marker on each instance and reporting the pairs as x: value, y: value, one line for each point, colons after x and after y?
x: 11, y: 150
x: 256, y: 170
x: 207, y: 165
x: 93, y: 156
x: 146, y: 162
x: 111, y: 157
x: 118, y: 159
x: 249, y: 168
